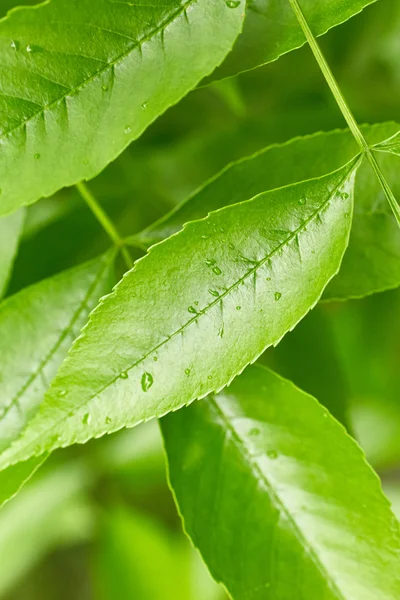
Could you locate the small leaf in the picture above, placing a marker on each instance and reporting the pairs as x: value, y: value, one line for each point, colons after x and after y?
x: 37, y: 328
x: 278, y: 498
x: 233, y: 283
x: 271, y: 30
x: 81, y: 79
x: 10, y: 232
x: 15, y: 477
x: 372, y: 261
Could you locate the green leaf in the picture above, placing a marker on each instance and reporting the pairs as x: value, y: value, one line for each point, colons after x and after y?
x: 81, y: 80
x: 13, y: 478
x: 233, y: 283
x: 372, y: 261
x: 278, y: 498
x: 37, y: 328
x: 10, y: 232
x: 271, y: 29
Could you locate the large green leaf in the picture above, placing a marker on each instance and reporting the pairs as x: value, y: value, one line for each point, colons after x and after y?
x: 81, y: 79
x: 10, y: 232
x: 278, y: 498
x: 233, y: 283
x: 37, y: 328
x: 372, y: 262
x: 271, y: 29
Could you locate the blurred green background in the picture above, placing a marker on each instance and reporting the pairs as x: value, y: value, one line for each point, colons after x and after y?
x: 98, y: 522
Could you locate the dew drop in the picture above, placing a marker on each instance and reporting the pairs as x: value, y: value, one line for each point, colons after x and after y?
x: 86, y: 419
x: 272, y: 454
x: 31, y: 48
x: 206, y: 236
x: 210, y: 262
x: 62, y: 393
x: 127, y: 130
x: 347, y: 215
x: 221, y: 332
x: 71, y: 414
x: 144, y: 105
x: 187, y: 372
x: 196, y: 303
x: 254, y: 432
x: 147, y: 381
x: 105, y: 88
x: 232, y: 3
x: 209, y: 377
x: 155, y: 358
x: 15, y: 45
x: 231, y: 246
x: 344, y: 196
x: 124, y: 375
x: 36, y: 156
x: 278, y: 296
x: 238, y: 308
x: 302, y: 201
x: 268, y: 278
x: 217, y: 271
x: 312, y: 251
x: 192, y: 310
x: 108, y: 420
x: 213, y: 293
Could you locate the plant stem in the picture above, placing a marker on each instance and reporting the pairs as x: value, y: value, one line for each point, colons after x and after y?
x: 104, y: 221
x: 344, y: 107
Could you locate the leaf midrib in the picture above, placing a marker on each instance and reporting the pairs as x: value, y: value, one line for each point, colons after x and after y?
x: 109, y: 65
x: 60, y: 340
x: 277, y: 501
x: 194, y: 319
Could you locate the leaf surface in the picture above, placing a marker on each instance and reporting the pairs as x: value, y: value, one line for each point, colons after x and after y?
x: 372, y: 261
x: 278, y: 498
x: 81, y: 80
x: 37, y: 328
x: 13, y: 478
x: 271, y: 29
x: 10, y: 232
x: 233, y: 283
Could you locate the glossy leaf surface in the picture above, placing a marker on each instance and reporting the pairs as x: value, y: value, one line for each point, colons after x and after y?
x: 235, y: 282
x: 10, y: 232
x: 372, y: 261
x: 80, y: 82
x: 278, y: 498
x: 38, y: 326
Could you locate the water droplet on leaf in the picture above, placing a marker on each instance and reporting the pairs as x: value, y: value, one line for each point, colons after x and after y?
x: 187, y: 371
x: 238, y: 308
x: 127, y: 130
x: 86, y: 419
x: 124, y: 375
x: 36, y: 156
x: 214, y: 293
x: 232, y: 3
x: 105, y: 88
x: 108, y: 420
x: 302, y: 201
x: 278, y: 296
x: 15, y: 45
x: 272, y: 454
x: 62, y: 393
x: 217, y: 270
x: 254, y: 432
x: 147, y: 381
x: 192, y: 310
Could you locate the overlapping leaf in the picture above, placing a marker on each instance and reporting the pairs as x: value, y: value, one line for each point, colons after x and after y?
x: 372, y: 261
x: 233, y: 283
x: 80, y: 81
x: 278, y: 498
x: 10, y: 232
x: 271, y: 30
x: 37, y: 327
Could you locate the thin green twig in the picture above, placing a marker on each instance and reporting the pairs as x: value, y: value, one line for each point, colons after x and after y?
x: 344, y: 107
x: 104, y: 221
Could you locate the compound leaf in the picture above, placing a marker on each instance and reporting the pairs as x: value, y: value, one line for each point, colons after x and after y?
x: 233, y: 283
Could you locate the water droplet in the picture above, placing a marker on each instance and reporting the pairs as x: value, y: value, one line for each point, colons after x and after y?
x: 62, y: 393
x: 272, y: 454
x: 312, y: 251
x: 210, y: 262
x: 85, y: 161
x: 155, y: 358
x: 302, y: 201
x: 278, y: 296
x: 86, y: 419
x: 71, y: 414
x: 238, y: 308
x: 254, y: 432
x: 144, y: 105
x: 124, y: 375
x: 221, y: 332
x: 31, y: 48
x: 187, y: 372
x: 196, y: 303
x: 192, y: 310
x: 231, y: 246
x: 209, y: 377
x: 206, y: 236
x: 36, y: 156
x: 217, y: 270
x: 108, y: 420
x: 15, y: 45
x: 232, y: 3
x: 344, y: 196
x: 213, y: 293
x: 127, y: 130
x: 147, y: 381
x: 347, y: 215
x: 105, y: 88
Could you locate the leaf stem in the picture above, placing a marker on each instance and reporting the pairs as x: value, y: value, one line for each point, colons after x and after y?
x: 104, y: 221
x: 344, y: 107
